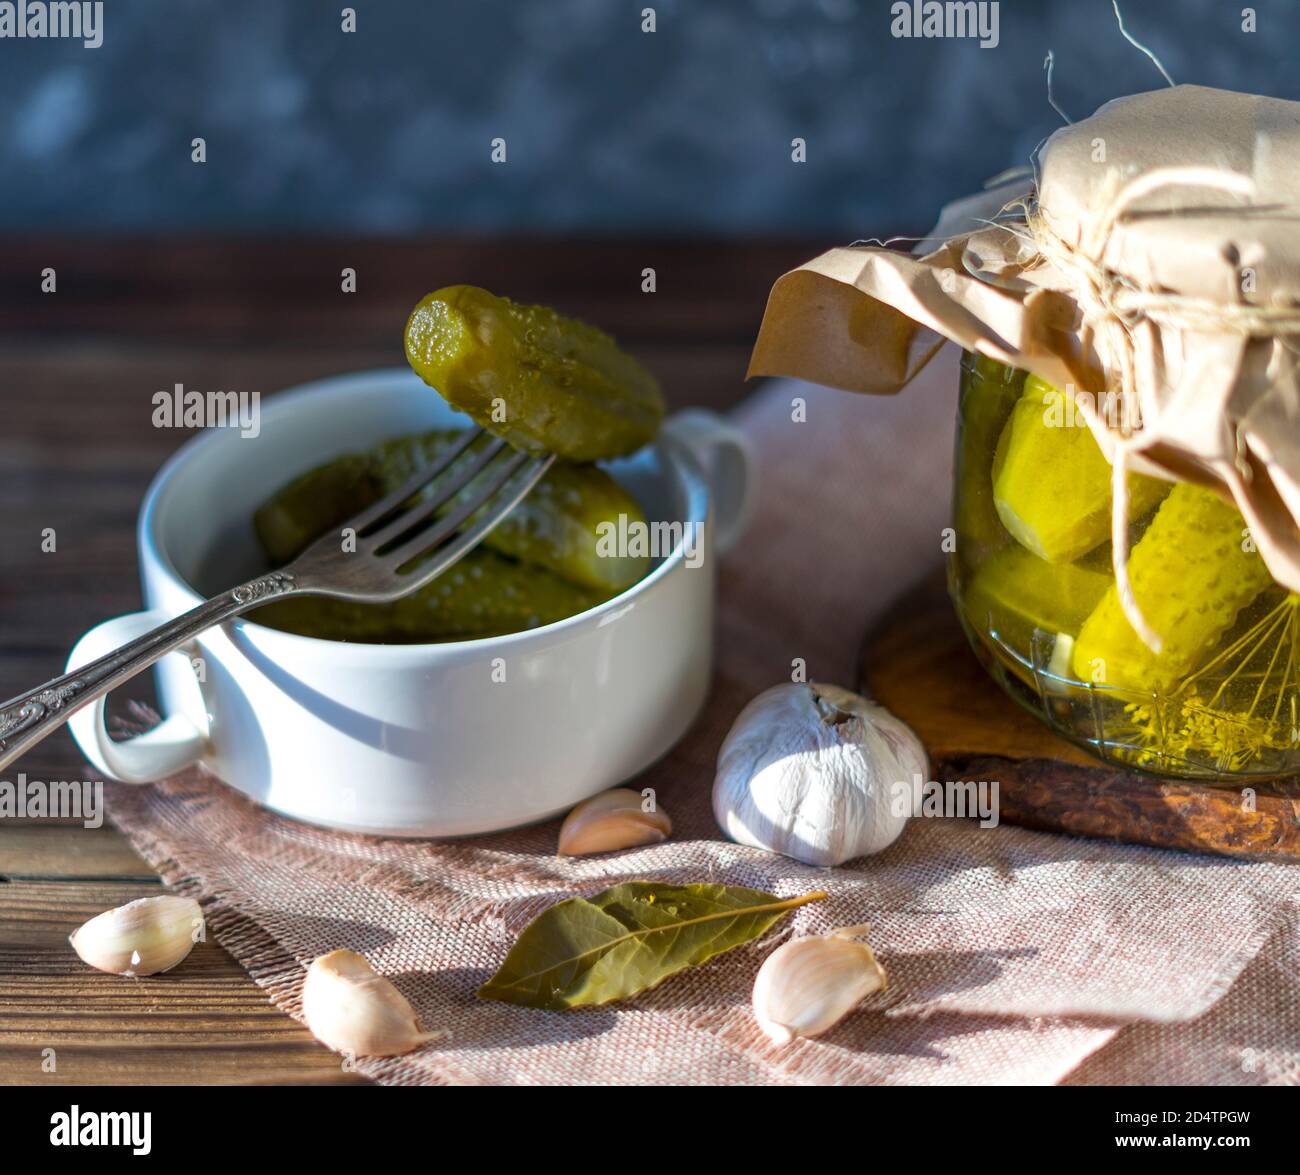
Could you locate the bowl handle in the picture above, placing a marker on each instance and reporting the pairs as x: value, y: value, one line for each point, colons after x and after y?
x: 171, y: 745
x: 729, y: 462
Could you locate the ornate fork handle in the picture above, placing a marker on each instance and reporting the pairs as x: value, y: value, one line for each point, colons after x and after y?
x: 28, y: 718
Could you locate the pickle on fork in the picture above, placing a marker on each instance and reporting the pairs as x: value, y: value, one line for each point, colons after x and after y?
x: 540, y: 380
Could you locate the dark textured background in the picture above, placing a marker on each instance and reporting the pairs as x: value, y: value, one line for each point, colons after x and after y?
x: 609, y: 130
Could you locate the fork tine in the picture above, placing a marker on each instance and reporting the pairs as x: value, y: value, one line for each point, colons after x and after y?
x: 407, y: 526
x: 415, y: 483
x: 501, y: 503
x: 399, y: 524
x: 428, y: 538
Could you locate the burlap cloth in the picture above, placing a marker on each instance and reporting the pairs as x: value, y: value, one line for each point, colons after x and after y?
x: 1013, y: 956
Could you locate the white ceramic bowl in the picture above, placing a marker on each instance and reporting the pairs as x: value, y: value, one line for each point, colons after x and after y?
x: 414, y: 740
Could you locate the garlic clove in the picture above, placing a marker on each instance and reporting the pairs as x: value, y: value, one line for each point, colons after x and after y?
x: 351, y: 1008
x: 143, y: 937
x: 810, y: 984
x: 614, y: 819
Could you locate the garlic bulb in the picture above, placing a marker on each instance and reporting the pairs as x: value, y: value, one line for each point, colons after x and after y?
x: 614, y: 819
x: 143, y: 937
x: 353, y: 1009
x: 816, y: 773
x: 809, y: 985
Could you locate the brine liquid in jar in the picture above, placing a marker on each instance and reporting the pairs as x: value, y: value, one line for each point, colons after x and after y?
x: 1032, y: 581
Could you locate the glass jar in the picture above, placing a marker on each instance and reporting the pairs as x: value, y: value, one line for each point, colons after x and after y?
x: 1033, y: 586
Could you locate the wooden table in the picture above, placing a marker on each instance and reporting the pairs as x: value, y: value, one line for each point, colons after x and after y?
x: 78, y: 369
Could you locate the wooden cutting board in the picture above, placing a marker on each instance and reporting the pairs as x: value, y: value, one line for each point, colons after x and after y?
x: 917, y: 663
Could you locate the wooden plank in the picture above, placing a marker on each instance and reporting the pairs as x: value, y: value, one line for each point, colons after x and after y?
x: 290, y: 289
x: 205, y: 1022
x: 162, y: 1063
x: 68, y: 851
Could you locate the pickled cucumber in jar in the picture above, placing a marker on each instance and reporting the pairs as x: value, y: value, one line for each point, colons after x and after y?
x: 1192, y: 572
x: 1051, y: 482
x: 1033, y: 578
x: 989, y: 393
x: 1019, y: 595
x: 542, y: 381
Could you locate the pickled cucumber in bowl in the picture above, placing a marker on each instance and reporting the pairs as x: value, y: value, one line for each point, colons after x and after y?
x: 542, y: 382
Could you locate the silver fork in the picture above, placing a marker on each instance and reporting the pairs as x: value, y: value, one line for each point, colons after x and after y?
x: 401, y: 545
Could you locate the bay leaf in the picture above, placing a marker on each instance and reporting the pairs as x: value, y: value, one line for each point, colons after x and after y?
x: 621, y: 941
